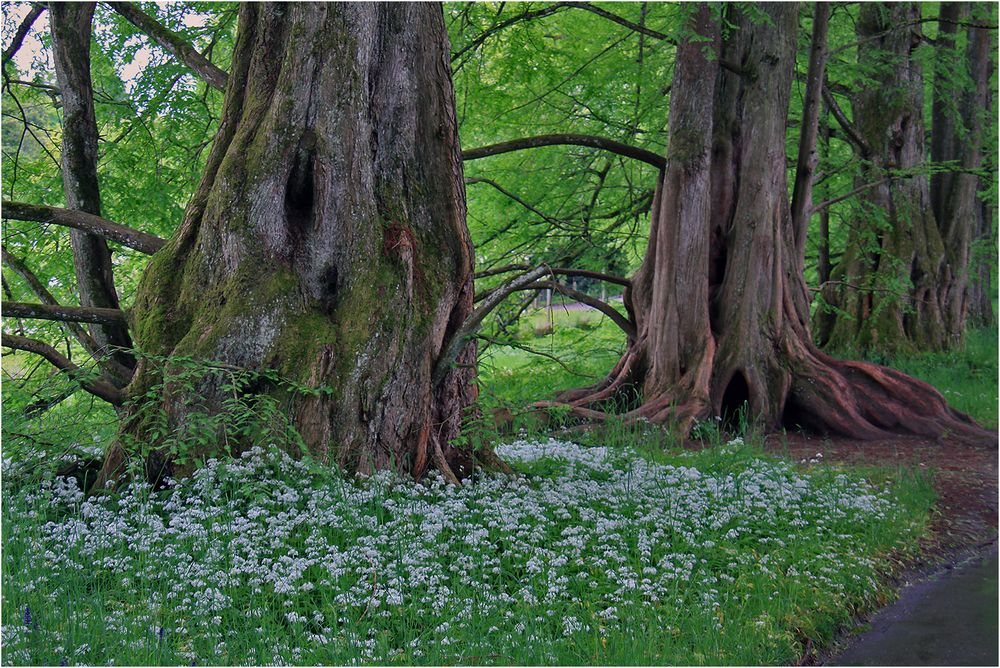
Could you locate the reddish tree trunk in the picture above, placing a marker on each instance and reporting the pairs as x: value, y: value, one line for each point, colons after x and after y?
x: 327, y: 239
x: 720, y: 301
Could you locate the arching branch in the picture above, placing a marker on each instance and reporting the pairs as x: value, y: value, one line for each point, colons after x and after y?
x: 471, y: 325
x: 86, y: 222
x: 624, y: 323
x: 172, y: 43
x: 22, y: 32
x: 99, y: 387
x: 92, y: 314
x: 591, y: 141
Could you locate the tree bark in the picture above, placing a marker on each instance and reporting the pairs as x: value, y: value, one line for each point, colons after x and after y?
x: 70, y: 24
x: 720, y: 301
x: 83, y: 221
x: 895, y: 251
x: 957, y: 139
x: 327, y: 239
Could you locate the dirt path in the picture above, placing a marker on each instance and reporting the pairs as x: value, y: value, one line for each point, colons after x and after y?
x: 946, y: 614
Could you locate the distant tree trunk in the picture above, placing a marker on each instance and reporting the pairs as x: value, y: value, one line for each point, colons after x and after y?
x: 327, y: 239
x: 70, y: 24
x: 720, y: 301
x: 890, y: 285
x: 981, y: 312
x: 957, y: 138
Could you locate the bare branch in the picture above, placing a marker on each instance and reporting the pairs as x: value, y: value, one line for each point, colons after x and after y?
x: 22, y: 32
x: 845, y: 124
x: 99, y: 387
x: 172, y: 43
x: 471, y: 325
x: 81, y: 220
x: 43, y: 294
x: 624, y: 323
x: 850, y: 194
x: 603, y: 143
x: 91, y: 314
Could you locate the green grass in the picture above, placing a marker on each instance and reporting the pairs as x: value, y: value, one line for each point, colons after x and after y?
x: 592, y: 556
x: 967, y: 377
x: 270, y: 561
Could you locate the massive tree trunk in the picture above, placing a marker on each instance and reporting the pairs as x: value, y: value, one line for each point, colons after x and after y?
x: 71, y: 27
x: 961, y: 95
x: 720, y: 301
x: 327, y: 239
x: 890, y: 286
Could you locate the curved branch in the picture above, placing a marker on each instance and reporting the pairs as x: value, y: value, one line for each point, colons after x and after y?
x: 523, y: 16
x: 563, y: 271
x: 624, y: 323
x: 91, y: 314
x: 81, y: 220
x: 172, y: 43
x: 453, y: 347
x: 22, y: 32
x: 510, y: 195
x: 591, y: 141
x: 99, y: 387
x: 848, y: 128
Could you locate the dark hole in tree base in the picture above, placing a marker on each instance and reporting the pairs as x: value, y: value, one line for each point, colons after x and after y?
x: 735, y: 409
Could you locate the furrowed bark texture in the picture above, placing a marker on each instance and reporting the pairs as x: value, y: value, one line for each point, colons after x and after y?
x: 957, y: 138
x: 70, y: 24
x: 720, y: 299
x: 889, y: 290
x: 327, y: 239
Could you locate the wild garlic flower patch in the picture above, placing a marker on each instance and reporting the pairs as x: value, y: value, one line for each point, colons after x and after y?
x: 596, y: 556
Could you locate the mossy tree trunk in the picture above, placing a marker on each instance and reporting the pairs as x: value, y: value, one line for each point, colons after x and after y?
x: 70, y: 24
x: 327, y: 239
x: 889, y: 290
x: 720, y: 302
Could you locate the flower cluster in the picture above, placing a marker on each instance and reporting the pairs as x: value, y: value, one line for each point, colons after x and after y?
x: 269, y: 560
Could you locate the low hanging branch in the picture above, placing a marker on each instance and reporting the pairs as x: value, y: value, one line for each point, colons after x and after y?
x: 91, y: 314
x: 527, y: 281
x: 97, y: 386
x: 591, y: 141
x: 172, y: 43
x: 80, y: 220
x: 582, y: 297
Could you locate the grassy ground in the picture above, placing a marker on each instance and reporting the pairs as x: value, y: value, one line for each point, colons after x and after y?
x: 592, y: 555
x: 968, y: 378
x: 619, y: 548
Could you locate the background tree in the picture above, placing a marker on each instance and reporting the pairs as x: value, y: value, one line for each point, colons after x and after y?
x: 711, y: 334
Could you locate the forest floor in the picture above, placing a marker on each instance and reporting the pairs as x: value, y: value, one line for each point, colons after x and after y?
x: 957, y: 555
